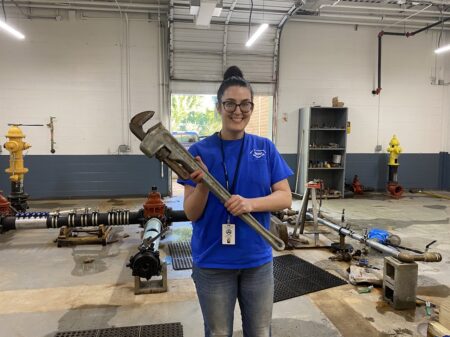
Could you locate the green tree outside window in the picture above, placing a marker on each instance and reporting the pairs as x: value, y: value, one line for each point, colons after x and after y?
x: 191, y: 113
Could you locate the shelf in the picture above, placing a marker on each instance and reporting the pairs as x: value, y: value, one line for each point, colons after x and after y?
x: 327, y: 149
x: 327, y: 129
x: 328, y: 107
x: 322, y: 136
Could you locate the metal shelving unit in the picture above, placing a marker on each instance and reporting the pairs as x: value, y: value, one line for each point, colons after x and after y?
x: 321, y: 149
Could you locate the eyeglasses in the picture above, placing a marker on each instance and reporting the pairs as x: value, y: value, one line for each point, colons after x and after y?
x: 231, y: 106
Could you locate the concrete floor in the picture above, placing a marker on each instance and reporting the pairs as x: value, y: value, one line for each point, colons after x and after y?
x: 45, y: 289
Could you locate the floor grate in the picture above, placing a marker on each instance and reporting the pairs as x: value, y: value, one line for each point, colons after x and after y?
x: 155, y: 330
x: 181, y: 255
x: 296, y: 277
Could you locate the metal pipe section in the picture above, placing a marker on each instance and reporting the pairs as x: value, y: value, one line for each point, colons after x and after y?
x: 371, y: 18
x: 69, y: 4
x: 317, y: 19
x: 388, y: 9
x: 88, y: 8
x: 407, y: 34
x: 427, y: 27
x: 146, y: 262
x: 380, y: 37
x: 403, y: 257
x: 300, y: 223
x: 175, y: 216
x: 367, y: 19
x: 392, y: 34
x: 35, y: 220
x: 152, y: 232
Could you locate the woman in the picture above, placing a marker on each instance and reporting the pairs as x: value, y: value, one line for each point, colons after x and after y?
x: 231, y: 260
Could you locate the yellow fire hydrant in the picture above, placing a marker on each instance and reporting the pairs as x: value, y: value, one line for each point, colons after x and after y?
x: 394, y: 149
x: 15, y: 145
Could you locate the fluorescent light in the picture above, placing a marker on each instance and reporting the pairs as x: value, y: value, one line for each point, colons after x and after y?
x: 256, y: 34
x: 11, y: 30
x: 442, y: 49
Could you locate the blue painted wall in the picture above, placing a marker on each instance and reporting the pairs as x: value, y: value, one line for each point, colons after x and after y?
x: 71, y: 176
x: 291, y: 160
x: 420, y: 170
x: 444, y: 164
x: 77, y: 176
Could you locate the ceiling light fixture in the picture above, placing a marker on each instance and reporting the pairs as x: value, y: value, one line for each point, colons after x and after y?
x: 256, y: 34
x: 442, y: 49
x: 11, y: 30
x: 204, y: 10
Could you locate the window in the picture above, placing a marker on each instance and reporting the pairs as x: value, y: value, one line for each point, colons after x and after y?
x: 197, y: 114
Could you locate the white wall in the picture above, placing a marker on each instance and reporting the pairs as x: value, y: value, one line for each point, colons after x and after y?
x: 319, y: 61
x: 72, y: 70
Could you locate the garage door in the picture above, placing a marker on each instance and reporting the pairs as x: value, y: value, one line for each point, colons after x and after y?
x: 200, y: 56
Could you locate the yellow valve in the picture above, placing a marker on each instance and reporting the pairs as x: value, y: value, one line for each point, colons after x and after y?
x: 394, y: 149
x: 15, y: 145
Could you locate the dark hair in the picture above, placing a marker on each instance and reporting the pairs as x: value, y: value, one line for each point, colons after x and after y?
x: 233, y: 77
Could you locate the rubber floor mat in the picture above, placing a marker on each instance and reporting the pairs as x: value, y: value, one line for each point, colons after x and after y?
x: 296, y: 277
x: 181, y: 255
x: 155, y: 330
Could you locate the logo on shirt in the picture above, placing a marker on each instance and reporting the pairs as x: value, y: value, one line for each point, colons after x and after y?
x: 258, y: 153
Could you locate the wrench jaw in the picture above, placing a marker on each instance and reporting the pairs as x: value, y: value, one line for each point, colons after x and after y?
x: 137, y: 123
x: 154, y: 144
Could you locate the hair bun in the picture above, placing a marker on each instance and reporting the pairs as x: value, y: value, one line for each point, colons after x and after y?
x: 232, y: 71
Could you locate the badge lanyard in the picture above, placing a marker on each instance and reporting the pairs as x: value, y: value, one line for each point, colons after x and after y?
x: 225, y: 171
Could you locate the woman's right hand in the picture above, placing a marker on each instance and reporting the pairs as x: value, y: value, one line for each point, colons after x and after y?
x: 197, y: 175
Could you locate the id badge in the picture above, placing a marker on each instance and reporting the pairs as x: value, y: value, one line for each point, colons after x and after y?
x: 228, y: 234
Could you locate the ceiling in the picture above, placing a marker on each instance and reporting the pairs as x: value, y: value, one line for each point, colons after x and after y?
x: 274, y: 12
x: 194, y: 51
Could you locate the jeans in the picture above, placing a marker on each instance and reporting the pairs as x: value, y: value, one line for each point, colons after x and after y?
x: 217, y: 291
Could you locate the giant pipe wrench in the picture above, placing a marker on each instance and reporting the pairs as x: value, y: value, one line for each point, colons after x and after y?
x: 158, y: 142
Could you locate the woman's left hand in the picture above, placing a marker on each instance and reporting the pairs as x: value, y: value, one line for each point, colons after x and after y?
x: 238, y: 205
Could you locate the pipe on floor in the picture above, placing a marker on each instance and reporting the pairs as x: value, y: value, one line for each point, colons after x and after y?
x: 35, y: 220
x: 403, y: 257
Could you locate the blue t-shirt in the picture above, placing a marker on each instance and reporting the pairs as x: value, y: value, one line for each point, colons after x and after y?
x: 261, y: 166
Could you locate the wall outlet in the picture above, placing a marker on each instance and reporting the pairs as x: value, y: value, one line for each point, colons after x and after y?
x: 378, y: 148
x: 123, y: 148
